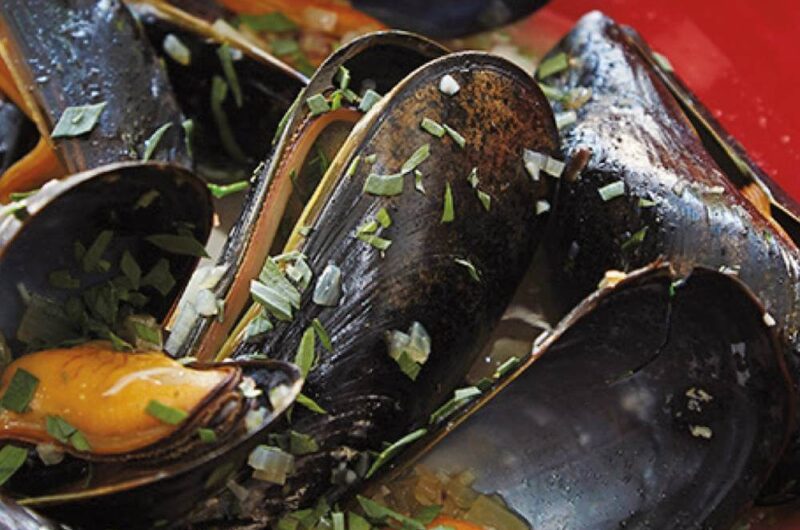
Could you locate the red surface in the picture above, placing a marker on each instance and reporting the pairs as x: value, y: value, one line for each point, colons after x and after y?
x: 741, y: 57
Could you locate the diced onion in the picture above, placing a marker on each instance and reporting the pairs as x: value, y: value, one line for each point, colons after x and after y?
x: 271, y: 464
x: 448, y: 85
x: 49, y: 454
x: 328, y: 290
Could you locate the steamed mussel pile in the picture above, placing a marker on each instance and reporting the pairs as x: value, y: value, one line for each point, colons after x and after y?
x: 394, y: 202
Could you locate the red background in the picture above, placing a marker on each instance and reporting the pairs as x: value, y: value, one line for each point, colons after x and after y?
x: 741, y: 57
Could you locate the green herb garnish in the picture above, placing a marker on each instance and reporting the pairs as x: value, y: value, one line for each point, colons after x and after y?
x: 343, y: 77
x: 418, y: 181
x: 305, y: 357
x: 63, y: 279
x: 473, y: 272
x: 302, y: 444
x: 75, y: 121
x: 384, y: 185
x: 552, y: 65
x: 275, y: 22
x: 472, y: 178
x: 160, y: 277
x: 551, y: 92
x: 337, y: 518
x: 383, y: 218
x: 505, y: 367
x: 188, y: 136
x: 457, y: 138
x: 310, y: 404
x: 417, y: 157
x: 165, y: 413
x: 432, y: 127
x: 318, y: 104
x: 612, y: 190
x: 226, y: 59
x: 379, y: 513
x: 91, y: 260
x: 485, y: 198
x: 324, y: 338
x: 219, y: 91
x: 11, y: 459
x: 356, y: 522
x: 221, y: 191
x: 130, y: 269
x: 61, y: 430
x: 151, y: 143
x: 145, y: 200
x: 635, y: 240
x: 377, y: 242
x: 368, y: 100
x: 207, y: 435
x: 390, y: 452
x: 460, y: 398
x: 20, y: 391
x: 351, y: 169
x: 448, y: 213
x: 182, y: 245
x: 646, y: 203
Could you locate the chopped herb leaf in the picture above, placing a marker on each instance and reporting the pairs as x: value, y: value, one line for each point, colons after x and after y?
x: 225, y: 57
x: 380, y: 514
x: 337, y: 518
x: 551, y: 92
x: 207, y: 435
x: 219, y: 91
x: 177, y: 50
x: 302, y: 444
x: 20, y: 391
x: 368, y: 100
x: 635, y: 240
x: 472, y: 178
x: 473, y: 272
x: 283, y: 47
x: 130, y: 269
x: 460, y: 398
x: 418, y: 181
x: 662, y: 62
x: 151, y: 143
x: 324, y: 338
x: 485, y: 198
x: 564, y: 119
x: 409, y: 366
x: 390, y: 452
x: 419, y: 156
x: 165, y: 413
x: 160, y: 277
x: 646, y: 203
x: 79, y: 441
x: 275, y: 22
x: 432, y: 127
x: 188, y: 136
x: 118, y: 343
x: 221, y: 191
x: 305, y: 357
x: 343, y: 77
x: 369, y: 227
x: 183, y: 245
x: 457, y: 138
x: 552, y: 65
x: 384, y: 185
x: 11, y: 459
x: 92, y: 257
x: 427, y: 514
x: 147, y: 199
x: 351, y: 169
x: 383, y: 218
x: 375, y: 241
x: 612, y: 190
x: 506, y: 367
x: 75, y: 121
x: 356, y: 522
x: 370, y: 159
x: 317, y: 104
x: 310, y: 404
x: 62, y: 279
x: 448, y: 213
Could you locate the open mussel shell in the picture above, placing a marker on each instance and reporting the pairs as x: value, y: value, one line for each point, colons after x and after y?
x: 141, y: 493
x: 260, y: 88
x: 78, y: 53
x: 40, y: 234
x: 421, y: 277
x: 292, y: 172
x: 678, y: 201
x: 653, y: 404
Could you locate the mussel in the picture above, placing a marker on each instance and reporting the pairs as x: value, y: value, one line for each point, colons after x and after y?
x: 660, y: 402
x: 92, y: 429
x: 651, y: 187
x: 81, y: 61
x: 438, y: 253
